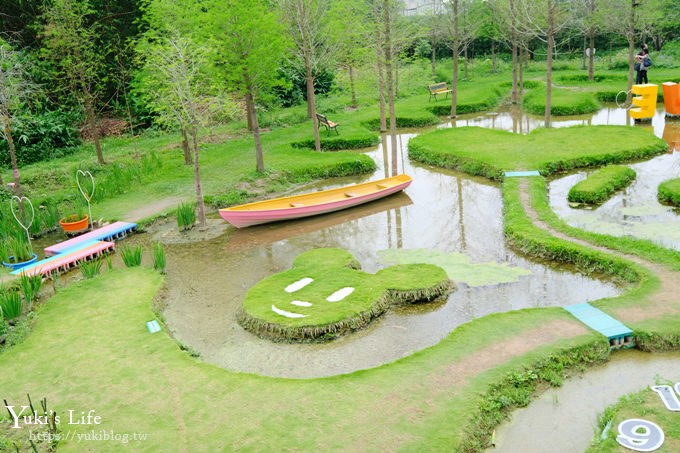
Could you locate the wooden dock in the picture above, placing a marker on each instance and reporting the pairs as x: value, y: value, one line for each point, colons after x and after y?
x: 618, y: 334
x: 67, y: 260
x: 116, y: 230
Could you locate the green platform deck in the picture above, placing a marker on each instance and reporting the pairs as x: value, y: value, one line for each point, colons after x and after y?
x: 618, y: 334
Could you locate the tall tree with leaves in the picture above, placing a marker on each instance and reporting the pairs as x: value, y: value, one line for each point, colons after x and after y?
x: 15, y: 87
x: 249, y: 40
x: 307, y: 25
x: 71, y: 44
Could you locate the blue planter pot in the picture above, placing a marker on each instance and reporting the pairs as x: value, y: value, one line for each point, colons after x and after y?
x: 15, y: 266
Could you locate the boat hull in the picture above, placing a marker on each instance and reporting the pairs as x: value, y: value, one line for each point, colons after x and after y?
x: 337, y: 199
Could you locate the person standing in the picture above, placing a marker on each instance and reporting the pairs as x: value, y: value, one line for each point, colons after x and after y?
x: 642, y: 63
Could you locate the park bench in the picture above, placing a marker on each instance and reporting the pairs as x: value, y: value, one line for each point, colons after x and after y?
x: 327, y: 124
x: 438, y: 88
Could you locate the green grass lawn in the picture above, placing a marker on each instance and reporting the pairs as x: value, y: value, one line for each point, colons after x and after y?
x: 490, y: 153
x: 90, y: 350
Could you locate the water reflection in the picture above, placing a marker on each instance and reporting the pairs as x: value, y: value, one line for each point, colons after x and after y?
x: 441, y: 210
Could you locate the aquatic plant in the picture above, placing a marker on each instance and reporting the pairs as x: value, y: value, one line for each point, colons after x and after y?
x: 131, y: 255
x: 30, y: 287
x: 10, y: 303
x: 159, y: 257
x: 186, y: 216
x: 90, y: 268
x: 600, y: 185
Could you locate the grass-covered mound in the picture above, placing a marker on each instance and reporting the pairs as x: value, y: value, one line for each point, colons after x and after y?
x: 647, y: 405
x: 564, y: 102
x: 490, y: 153
x: 669, y: 192
x: 325, y: 295
x: 601, y: 185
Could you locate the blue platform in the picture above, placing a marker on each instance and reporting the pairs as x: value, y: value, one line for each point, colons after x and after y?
x: 515, y: 174
x: 618, y: 334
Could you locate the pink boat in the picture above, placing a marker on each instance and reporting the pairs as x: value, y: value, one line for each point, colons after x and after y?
x: 309, y: 204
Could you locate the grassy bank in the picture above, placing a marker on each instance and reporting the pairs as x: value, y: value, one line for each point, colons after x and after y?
x: 669, y: 192
x: 490, y: 153
x: 600, y: 185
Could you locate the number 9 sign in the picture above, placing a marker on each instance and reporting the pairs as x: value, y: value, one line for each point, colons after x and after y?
x: 640, y: 435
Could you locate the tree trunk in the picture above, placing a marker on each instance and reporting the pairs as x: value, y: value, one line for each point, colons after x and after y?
x: 583, y: 52
x: 433, y: 60
x: 91, y: 122
x: 252, y: 114
x: 515, y: 96
x: 465, y: 62
x: 456, y: 44
x: 381, y: 69
x: 249, y: 119
x: 631, y: 50
x: 12, y: 153
x: 396, y: 77
x: 522, y: 64
x: 311, y: 105
x: 390, y: 83
x: 591, y: 57
x: 352, y: 87
x: 493, y: 57
x: 197, y: 178
x: 551, y: 44
x: 185, y: 147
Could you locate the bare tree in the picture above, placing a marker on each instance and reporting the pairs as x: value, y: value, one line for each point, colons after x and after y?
x: 307, y: 26
x: 179, y: 64
x: 15, y: 87
x: 543, y: 20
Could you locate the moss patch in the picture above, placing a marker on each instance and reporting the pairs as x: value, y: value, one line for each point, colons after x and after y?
x: 489, y: 153
x: 458, y: 266
x: 669, y: 192
x: 300, y: 304
x: 601, y: 185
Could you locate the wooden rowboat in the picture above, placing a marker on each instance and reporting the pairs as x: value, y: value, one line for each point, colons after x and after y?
x: 313, y: 203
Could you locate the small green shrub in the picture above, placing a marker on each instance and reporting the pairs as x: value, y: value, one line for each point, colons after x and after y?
x: 186, y: 216
x: 131, y: 255
x: 10, y: 303
x: 405, y: 122
x: 601, y: 185
x: 159, y: 257
x: 91, y: 268
x: 669, y: 192
x: 339, y: 142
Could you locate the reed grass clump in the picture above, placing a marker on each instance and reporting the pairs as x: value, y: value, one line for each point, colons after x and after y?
x: 30, y: 287
x: 131, y: 255
x: 159, y: 257
x: 10, y: 303
x: 91, y: 268
x: 186, y: 216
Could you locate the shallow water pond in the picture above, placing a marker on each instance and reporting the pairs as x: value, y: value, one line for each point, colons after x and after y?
x: 566, y: 417
x: 453, y: 215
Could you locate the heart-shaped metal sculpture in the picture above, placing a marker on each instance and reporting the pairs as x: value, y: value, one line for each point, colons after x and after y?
x: 21, y: 220
x: 88, y: 196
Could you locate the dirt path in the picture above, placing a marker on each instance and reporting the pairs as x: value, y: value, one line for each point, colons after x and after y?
x: 664, y: 300
x: 151, y: 209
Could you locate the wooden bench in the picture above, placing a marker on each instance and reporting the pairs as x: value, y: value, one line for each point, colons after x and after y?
x: 438, y: 88
x: 327, y: 124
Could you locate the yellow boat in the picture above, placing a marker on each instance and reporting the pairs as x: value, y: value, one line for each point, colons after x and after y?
x: 313, y: 203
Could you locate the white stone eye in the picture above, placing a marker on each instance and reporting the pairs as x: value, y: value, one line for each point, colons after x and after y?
x: 340, y: 294
x: 298, y: 285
